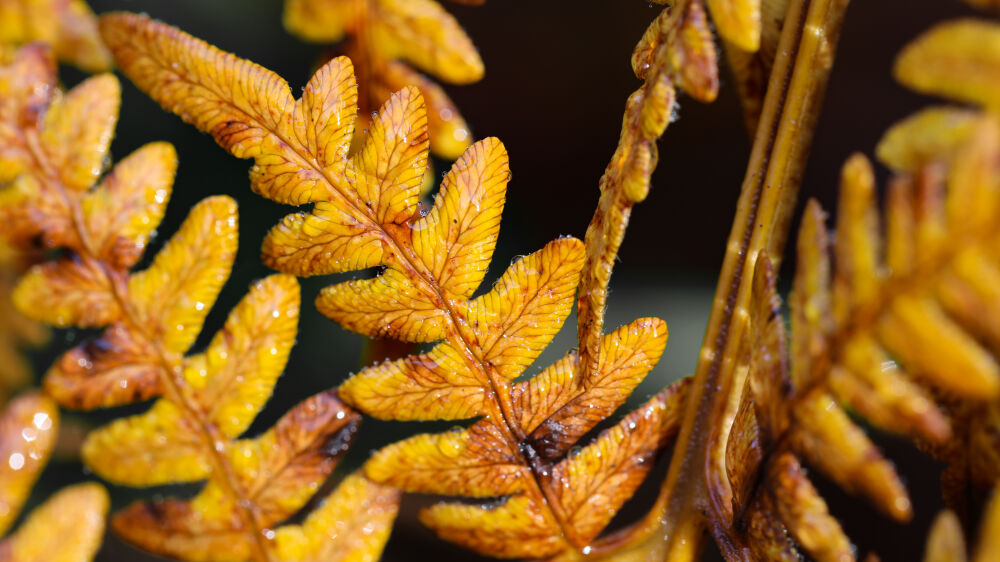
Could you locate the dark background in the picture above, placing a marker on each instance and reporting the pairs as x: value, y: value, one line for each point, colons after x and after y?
x: 557, y: 78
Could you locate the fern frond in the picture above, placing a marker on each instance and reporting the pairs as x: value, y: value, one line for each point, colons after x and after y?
x: 54, y: 147
x: 952, y: 146
x: 16, y: 330
x: 26, y: 455
x: 364, y: 216
x: 68, y: 26
x: 382, y: 34
x: 946, y: 543
x: 752, y: 68
x: 28, y: 430
x: 676, y: 49
x: 871, y: 335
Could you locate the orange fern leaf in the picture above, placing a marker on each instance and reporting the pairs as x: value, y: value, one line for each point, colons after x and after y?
x: 420, y: 32
x: 68, y: 26
x: 677, y: 48
x: 16, y: 330
x: 365, y: 215
x: 946, y: 543
x: 923, y: 309
x: 151, y: 319
x: 28, y: 429
x: 946, y: 204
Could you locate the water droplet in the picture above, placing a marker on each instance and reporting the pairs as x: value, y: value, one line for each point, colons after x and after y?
x: 16, y: 461
x: 42, y: 421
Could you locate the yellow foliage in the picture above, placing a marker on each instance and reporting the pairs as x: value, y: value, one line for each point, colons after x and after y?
x: 67, y: 25
x: 54, y: 149
x: 381, y: 33
x: 28, y: 429
x: 365, y: 215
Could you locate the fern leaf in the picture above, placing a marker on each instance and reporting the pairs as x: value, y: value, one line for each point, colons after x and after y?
x: 432, y: 265
x: 16, y: 330
x: 384, y: 32
x: 74, y: 514
x: 677, y: 48
x: 752, y: 68
x: 848, y: 323
x: 946, y: 543
x: 313, y: 541
x: 28, y: 430
x: 955, y: 59
x: 151, y: 317
x: 948, y: 154
x: 68, y: 26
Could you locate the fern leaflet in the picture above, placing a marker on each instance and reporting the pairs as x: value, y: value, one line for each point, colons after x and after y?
x: 54, y: 148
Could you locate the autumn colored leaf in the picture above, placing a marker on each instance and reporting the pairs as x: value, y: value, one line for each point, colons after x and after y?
x: 946, y: 543
x: 946, y: 206
x: 75, y: 515
x: 28, y: 429
x: 751, y: 68
x: 382, y: 34
x: 676, y: 49
x: 67, y: 25
x: 923, y: 309
x: 16, y: 330
x: 56, y: 146
x: 957, y: 59
x: 365, y: 215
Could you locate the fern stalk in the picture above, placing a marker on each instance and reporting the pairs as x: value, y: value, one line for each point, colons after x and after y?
x: 767, y: 198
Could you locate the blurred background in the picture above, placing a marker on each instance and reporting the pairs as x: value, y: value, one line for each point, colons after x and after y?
x: 557, y: 76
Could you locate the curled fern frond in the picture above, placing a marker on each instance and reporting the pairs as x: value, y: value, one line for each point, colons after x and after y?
x: 752, y: 68
x: 547, y: 501
x: 383, y: 34
x: 54, y: 148
x: 68, y: 26
x: 676, y: 51
x: 28, y: 429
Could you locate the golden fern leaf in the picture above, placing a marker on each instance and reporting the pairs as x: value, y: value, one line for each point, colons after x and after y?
x: 946, y: 543
x: 28, y: 429
x: 924, y: 305
x: 381, y: 32
x: 67, y: 25
x: 676, y: 49
x: 364, y: 216
x: 54, y: 146
x: 751, y: 69
x: 949, y: 145
x: 870, y: 336
x: 16, y: 330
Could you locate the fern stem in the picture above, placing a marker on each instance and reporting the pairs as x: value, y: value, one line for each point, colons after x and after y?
x: 173, y: 387
x: 633, y: 162
x: 688, y: 500
x: 604, y: 237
